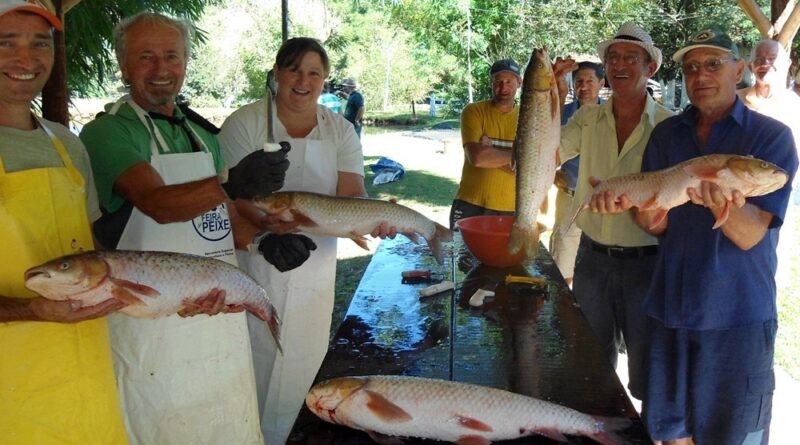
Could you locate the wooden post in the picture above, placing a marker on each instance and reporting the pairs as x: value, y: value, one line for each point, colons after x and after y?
x: 284, y: 20
x: 54, y: 93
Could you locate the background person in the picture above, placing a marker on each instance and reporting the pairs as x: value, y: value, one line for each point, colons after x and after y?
x: 329, y: 99
x: 354, y: 108
x: 589, y: 79
x: 181, y: 381
x: 615, y: 257
x: 53, y: 364
x: 325, y: 158
x: 488, y: 129
x: 711, y: 306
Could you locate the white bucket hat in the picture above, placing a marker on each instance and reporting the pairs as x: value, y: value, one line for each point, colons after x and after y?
x: 33, y: 6
x: 629, y: 32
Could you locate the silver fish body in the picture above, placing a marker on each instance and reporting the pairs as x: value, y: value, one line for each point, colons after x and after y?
x: 153, y: 284
x: 353, y: 218
x: 450, y: 411
x: 662, y: 190
x: 535, y: 148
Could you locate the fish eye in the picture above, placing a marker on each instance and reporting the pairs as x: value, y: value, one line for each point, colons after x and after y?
x: 64, y: 265
x: 764, y: 164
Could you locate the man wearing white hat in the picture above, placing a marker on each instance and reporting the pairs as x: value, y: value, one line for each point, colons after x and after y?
x: 354, y: 108
x: 616, y: 257
x: 56, y: 379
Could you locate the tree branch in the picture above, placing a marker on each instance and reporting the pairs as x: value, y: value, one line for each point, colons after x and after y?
x: 789, y: 29
x: 757, y: 16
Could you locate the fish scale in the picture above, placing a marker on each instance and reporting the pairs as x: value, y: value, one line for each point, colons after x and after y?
x: 154, y: 284
x: 535, y: 147
x: 664, y: 189
x: 457, y: 412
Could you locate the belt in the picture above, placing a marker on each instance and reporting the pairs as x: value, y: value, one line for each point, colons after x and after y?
x: 624, y: 252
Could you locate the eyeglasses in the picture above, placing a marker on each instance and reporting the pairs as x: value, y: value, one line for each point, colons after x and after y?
x: 629, y: 59
x: 710, y: 65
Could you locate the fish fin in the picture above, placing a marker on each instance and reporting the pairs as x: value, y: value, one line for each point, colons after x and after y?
x: 125, y: 296
x: 551, y: 434
x: 360, y: 240
x: 565, y: 229
x: 141, y: 289
x: 555, y: 114
x: 702, y: 172
x: 270, y: 317
x: 524, y: 238
x: 301, y: 217
x: 412, y: 236
x: 543, y: 207
x: 608, y: 426
x: 473, y: 440
x: 384, y: 439
x: 473, y: 424
x: 384, y: 409
x: 726, y: 211
x: 442, y: 234
x: 649, y: 203
x: 660, y: 215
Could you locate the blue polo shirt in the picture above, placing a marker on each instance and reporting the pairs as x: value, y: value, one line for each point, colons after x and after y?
x: 702, y: 280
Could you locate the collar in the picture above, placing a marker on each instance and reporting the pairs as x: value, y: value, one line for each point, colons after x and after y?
x: 690, y: 114
x: 649, y: 111
x: 178, y: 118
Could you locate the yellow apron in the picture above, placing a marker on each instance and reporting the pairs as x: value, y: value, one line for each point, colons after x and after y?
x: 56, y: 380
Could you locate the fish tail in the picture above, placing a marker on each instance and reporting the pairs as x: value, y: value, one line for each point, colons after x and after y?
x: 524, y: 238
x: 270, y: 317
x: 442, y: 234
x: 563, y: 231
x: 608, y: 427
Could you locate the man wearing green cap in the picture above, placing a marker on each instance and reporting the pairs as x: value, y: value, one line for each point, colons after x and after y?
x: 711, y: 301
x: 488, y: 129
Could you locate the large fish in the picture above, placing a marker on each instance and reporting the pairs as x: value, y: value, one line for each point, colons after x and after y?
x: 153, y: 284
x: 353, y: 217
x: 662, y: 190
x: 456, y: 412
x: 535, y: 147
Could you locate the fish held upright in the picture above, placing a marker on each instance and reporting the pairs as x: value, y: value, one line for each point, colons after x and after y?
x: 535, y: 148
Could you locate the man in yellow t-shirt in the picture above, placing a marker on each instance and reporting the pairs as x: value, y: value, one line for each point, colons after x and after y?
x: 488, y: 129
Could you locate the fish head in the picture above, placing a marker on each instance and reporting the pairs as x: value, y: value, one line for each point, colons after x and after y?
x: 762, y: 177
x: 324, y: 397
x: 276, y: 203
x: 540, y: 70
x: 66, y: 277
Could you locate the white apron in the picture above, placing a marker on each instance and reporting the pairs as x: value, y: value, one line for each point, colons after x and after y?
x: 303, y: 298
x: 184, y: 381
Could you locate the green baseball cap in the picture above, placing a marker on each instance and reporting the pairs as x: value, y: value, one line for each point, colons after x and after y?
x: 708, y: 38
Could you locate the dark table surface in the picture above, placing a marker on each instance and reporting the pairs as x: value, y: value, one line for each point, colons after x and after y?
x: 532, y: 341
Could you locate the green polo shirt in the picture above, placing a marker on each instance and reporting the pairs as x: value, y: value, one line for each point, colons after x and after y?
x: 117, y: 142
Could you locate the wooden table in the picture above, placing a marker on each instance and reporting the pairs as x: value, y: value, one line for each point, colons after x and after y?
x: 532, y: 341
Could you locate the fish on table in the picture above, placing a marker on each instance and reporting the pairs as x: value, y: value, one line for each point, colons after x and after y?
x: 152, y: 284
x: 349, y: 217
x: 392, y: 407
x: 535, y: 148
x: 664, y: 189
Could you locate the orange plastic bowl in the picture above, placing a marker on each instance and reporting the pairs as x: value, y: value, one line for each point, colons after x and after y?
x: 486, y: 238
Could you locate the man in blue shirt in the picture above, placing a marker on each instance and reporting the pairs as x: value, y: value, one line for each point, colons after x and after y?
x: 589, y: 79
x: 354, y: 109
x: 712, y: 298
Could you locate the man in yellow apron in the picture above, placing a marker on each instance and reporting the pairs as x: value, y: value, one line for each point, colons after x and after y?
x: 180, y: 381
x: 56, y: 379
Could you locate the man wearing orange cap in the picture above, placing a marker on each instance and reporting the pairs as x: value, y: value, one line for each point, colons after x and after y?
x: 56, y: 380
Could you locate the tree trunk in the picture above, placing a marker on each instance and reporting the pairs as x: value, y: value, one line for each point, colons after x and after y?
x: 284, y: 20
x: 54, y: 93
x: 413, y: 112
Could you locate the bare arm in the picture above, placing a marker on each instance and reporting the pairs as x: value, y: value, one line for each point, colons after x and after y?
x: 350, y: 184
x: 145, y: 189
x: 42, y: 309
x: 482, y: 154
x: 746, y: 224
x: 606, y: 203
x: 360, y: 114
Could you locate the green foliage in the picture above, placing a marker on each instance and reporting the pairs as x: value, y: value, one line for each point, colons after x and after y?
x: 89, y: 41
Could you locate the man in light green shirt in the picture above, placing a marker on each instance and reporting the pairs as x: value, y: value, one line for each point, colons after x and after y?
x: 616, y: 257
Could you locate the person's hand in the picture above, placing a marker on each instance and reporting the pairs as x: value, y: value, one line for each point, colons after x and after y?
x: 711, y: 196
x: 258, y: 174
x: 72, y: 311
x: 287, y: 251
x: 211, y: 304
x: 607, y: 202
x: 384, y: 231
x: 563, y: 66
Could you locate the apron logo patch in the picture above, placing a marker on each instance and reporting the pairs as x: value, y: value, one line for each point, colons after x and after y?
x: 213, y: 225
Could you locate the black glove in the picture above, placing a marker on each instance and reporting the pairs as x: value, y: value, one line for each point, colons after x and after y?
x: 286, y: 252
x: 258, y: 174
